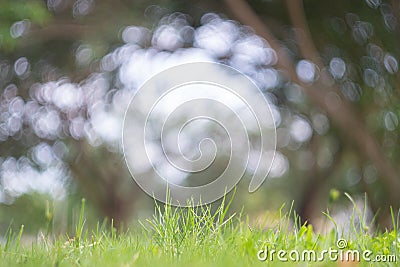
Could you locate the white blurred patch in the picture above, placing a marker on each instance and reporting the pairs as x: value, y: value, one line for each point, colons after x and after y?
x: 391, y: 63
x: 300, y: 130
x: 337, y: 67
x: 67, y: 97
x: 21, y: 66
x: 216, y: 37
x: 20, y: 177
x: 107, y: 126
x: 391, y: 121
x: 306, y: 71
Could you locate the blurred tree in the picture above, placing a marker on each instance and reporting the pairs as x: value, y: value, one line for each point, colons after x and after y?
x: 339, y: 99
x: 338, y: 76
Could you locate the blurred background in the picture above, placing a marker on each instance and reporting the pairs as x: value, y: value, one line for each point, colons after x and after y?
x: 68, y: 69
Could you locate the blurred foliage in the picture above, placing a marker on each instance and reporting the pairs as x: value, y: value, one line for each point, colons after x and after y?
x: 31, y: 210
x: 67, y: 42
x: 13, y: 14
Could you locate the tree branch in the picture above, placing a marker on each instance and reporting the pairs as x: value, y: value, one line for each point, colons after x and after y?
x: 303, y: 34
x: 340, y: 112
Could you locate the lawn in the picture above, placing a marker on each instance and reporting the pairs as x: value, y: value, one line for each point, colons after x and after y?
x: 199, y: 236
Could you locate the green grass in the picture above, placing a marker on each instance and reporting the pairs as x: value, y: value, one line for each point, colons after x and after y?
x: 195, y: 236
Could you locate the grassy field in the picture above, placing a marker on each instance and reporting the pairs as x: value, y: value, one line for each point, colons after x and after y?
x: 199, y: 237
